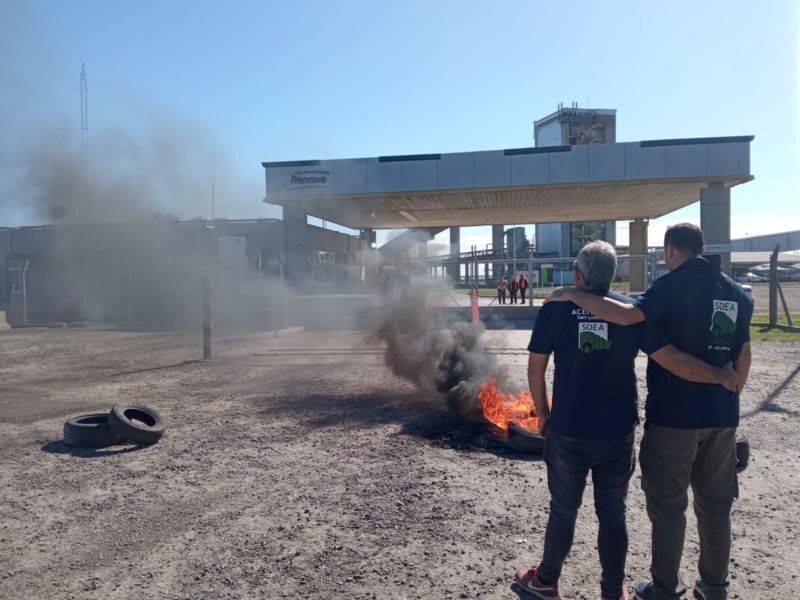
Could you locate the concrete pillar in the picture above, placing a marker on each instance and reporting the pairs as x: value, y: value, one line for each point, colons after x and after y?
x: 369, y: 255
x: 5, y: 250
x: 455, y: 240
x: 715, y: 221
x: 295, y: 226
x: 422, y: 252
x: 638, y: 253
x: 497, y: 247
x: 453, y: 270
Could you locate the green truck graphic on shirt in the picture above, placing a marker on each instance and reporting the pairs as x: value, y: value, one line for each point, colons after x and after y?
x: 593, y: 336
x: 723, y: 325
x: 723, y: 318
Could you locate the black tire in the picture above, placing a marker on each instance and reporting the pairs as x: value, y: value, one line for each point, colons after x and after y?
x: 90, y: 431
x: 137, y: 424
x: 742, y: 454
x: 522, y: 440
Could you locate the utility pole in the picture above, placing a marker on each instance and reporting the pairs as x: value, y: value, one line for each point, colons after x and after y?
x: 84, y: 119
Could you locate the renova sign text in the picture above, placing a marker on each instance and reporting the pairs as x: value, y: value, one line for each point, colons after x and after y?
x: 309, y: 179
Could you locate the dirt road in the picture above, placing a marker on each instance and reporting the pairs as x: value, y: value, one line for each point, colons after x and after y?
x: 300, y: 467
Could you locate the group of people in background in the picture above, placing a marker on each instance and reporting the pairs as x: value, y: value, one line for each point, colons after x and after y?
x: 514, y: 287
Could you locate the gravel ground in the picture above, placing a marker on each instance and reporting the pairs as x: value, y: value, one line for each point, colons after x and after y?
x: 300, y: 467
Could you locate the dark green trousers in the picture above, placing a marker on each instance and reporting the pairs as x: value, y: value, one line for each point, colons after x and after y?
x: 671, y: 461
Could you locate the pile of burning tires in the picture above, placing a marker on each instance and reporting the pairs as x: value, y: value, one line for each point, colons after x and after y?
x: 123, y: 424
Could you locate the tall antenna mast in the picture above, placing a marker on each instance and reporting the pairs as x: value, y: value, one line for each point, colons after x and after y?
x: 213, y: 177
x: 84, y: 117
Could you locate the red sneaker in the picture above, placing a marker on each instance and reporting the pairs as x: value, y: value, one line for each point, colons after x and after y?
x: 528, y: 580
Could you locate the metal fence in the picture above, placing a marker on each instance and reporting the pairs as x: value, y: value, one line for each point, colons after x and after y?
x: 782, y: 304
x: 634, y: 273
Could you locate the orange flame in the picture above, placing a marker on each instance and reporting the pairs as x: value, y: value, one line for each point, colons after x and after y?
x: 501, y: 408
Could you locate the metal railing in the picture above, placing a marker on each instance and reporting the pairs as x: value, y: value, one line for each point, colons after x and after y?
x: 634, y: 273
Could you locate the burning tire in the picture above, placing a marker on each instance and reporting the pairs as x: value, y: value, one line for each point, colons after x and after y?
x: 742, y: 454
x: 137, y: 424
x: 523, y: 440
x: 90, y: 431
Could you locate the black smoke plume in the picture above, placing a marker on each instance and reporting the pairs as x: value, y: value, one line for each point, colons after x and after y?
x: 435, y: 352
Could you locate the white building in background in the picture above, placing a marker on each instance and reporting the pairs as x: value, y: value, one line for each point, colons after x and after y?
x: 574, y: 126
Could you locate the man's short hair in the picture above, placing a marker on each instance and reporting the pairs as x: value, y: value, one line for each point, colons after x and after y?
x: 687, y: 238
x: 597, y: 262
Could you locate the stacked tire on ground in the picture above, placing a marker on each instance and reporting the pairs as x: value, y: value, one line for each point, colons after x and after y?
x: 124, y: 424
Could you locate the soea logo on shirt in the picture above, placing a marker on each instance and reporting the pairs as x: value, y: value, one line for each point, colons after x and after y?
x: 593, y: 336
x: 723, y: 317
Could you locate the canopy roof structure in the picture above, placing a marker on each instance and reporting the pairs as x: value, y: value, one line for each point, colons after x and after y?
x: 598, y: 182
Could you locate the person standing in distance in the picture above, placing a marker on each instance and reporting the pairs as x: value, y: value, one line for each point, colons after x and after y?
x: 502, y: 284
x: 523, y: 285
x: 594, y: 414
x: 690, y: 428
x: 513, y: 286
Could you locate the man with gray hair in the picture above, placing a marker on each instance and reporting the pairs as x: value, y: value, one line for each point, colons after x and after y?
x: 593, y: 418
x: 690, y: 430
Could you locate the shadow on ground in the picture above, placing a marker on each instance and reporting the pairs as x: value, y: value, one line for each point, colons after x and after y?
x: 59, y: 447
x: 425, y: 417
x: 769, y: 404
x: 160, y: 368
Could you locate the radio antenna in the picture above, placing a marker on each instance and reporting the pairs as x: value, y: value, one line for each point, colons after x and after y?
x: 84, y: 118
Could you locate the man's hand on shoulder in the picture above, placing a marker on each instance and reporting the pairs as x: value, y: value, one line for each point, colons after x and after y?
x: 560, y: 295
x: 689, y: 367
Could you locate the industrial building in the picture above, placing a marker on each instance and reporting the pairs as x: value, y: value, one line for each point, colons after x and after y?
x: 573, y: 126
x: 574, y: 184
x: 151, y: 272
x: 786, y: 241
x: 585, y: 184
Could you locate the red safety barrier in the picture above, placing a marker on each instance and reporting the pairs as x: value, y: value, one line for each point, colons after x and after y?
x: 473, y: 299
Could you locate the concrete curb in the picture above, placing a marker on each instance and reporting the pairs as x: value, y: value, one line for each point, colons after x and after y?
x: 4, y: 326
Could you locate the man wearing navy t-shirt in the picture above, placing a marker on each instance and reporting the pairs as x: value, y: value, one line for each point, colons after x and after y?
x: 690, y: 428
x: 594, y: 414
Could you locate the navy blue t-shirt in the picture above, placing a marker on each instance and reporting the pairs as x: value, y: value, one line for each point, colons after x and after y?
x: 705, y: 313
x: 594, y: 386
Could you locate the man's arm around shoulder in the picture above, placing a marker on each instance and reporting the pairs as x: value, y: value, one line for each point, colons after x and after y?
x: 602, y: 307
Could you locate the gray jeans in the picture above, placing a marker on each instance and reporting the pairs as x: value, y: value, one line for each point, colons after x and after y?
x: 671, y: 460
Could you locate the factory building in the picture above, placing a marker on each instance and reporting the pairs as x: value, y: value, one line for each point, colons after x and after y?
x: 573, y: 126
x: 152, y: 272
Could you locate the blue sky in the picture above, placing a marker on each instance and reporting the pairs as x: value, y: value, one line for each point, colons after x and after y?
x: 298, y: 80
